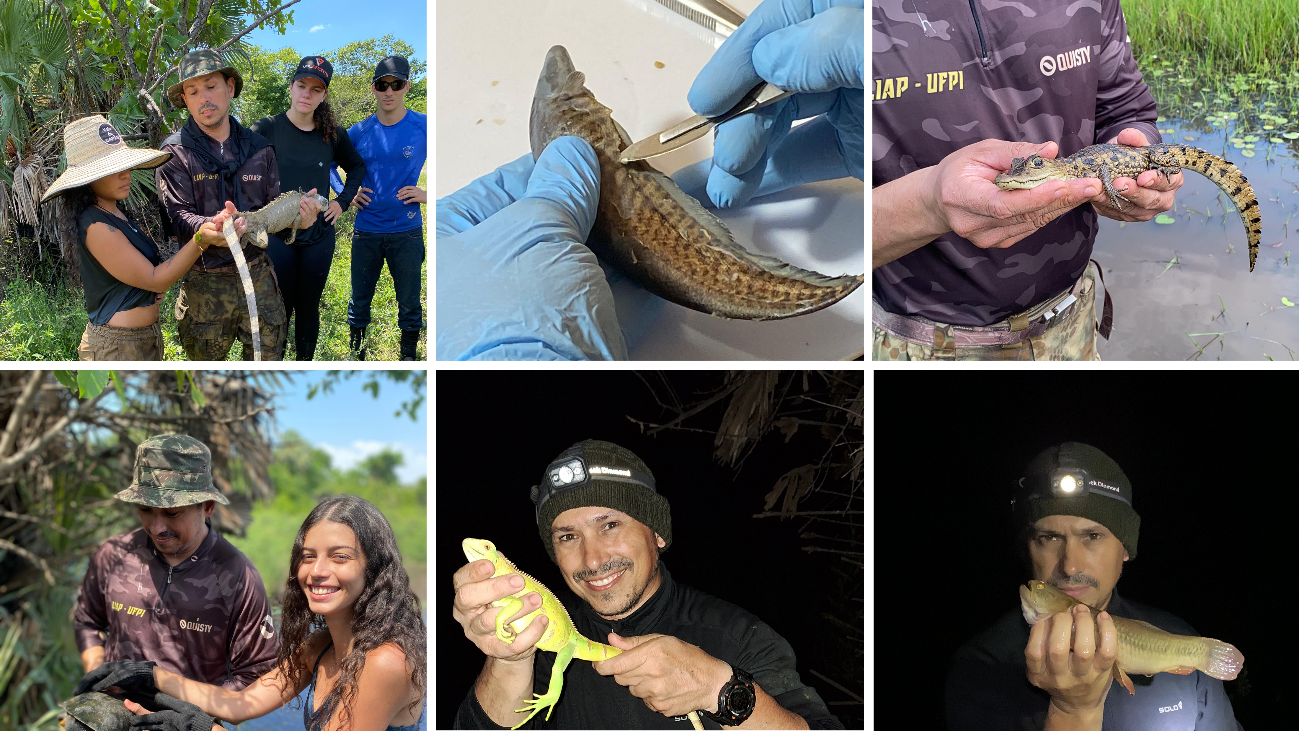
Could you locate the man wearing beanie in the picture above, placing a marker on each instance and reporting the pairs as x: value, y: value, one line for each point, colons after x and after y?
x: 1075, y: 526
x: 604, y: 523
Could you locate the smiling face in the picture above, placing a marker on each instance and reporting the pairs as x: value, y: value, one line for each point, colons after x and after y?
x: 608, y: 558
x: 1077, y: 555
x: 332, y: 570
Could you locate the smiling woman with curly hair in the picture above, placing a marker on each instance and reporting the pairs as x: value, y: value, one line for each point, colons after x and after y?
x: 351, y: 632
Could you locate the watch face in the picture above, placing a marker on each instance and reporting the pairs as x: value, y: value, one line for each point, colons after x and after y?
x: 740, y: 700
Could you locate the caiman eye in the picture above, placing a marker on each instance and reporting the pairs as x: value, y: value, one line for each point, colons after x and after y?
x: 1037, y: 163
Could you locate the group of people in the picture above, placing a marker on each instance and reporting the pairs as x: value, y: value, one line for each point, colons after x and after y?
x: 213, y: 168
x: 175, y: 618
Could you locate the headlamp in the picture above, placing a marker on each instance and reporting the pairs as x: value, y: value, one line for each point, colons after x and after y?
x: 1069, y: 482
x: 571, y: 471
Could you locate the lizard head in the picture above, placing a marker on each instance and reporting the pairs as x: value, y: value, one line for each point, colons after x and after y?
x: 477, y: 549
x: 1027, y: 172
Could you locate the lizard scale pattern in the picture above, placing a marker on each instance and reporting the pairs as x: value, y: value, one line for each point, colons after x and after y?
x: 279, y: 214
x: 560, y: 636
x: 659, y: 235
x: 1108, y: 162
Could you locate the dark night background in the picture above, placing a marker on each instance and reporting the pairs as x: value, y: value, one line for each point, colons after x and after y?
x: 1211, y: 459
x: 498, y: 430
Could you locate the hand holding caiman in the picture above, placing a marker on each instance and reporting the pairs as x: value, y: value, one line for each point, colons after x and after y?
x: 1142, y: 647
x: 1108, y: 162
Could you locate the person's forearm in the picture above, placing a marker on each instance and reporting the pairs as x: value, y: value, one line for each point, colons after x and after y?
x: 504, y: 686
x: 222, y: 703
x: 1057, y: 720
x: 92, y: 657
x: 169, y: 272
x: 904, y: 217
x: 767, y: 713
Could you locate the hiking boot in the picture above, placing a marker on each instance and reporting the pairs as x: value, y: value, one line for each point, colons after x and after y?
x: 358, y: 343
x: 410, y: 344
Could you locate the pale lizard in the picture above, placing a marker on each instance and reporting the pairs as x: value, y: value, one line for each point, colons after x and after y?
x: 279, y: 214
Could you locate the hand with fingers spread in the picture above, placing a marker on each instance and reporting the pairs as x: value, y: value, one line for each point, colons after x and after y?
x: 1148, y: 196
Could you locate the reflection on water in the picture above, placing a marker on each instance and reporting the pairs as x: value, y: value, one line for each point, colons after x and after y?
x: 289, y: 717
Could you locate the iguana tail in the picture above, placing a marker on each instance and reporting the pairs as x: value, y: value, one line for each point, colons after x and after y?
x: 237, y: 249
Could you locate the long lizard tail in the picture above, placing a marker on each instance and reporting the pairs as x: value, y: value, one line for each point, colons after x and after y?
x: 237, y: 250
x: 1232, y: 181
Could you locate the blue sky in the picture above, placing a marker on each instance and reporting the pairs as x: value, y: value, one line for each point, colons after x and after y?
x: 350, y: 424
x: 321, y: 25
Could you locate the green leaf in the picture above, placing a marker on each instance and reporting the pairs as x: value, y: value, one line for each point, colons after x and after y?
x: 92, y: 383
x: 1170, y: 266
x: 117, y: 384
x: 1247, y: 153
x: 1165, y: 219
x: 1287, y: 302
x: 195, y: 392
x: 66, y: 378
x: 1276, y: 139
x: 1291, y: 135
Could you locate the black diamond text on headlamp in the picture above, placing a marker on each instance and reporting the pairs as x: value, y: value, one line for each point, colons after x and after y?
x: 571, y: 472
x: 1071, y: 482
x: 1068, y: 481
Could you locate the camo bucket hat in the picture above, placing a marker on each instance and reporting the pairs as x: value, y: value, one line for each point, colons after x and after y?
x: 172, y: 471
x: 201, y: 63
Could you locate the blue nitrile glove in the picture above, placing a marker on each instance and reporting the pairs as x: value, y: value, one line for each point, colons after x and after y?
x: 335, y: 180
x: 515, y: 280
x: 814, y: 47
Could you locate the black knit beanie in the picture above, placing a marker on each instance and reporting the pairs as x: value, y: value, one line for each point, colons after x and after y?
x: 600, y: 474
x: 1100, y: 491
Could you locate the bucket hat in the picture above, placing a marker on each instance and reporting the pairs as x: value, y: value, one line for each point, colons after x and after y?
x: 95, y: 150
x: 171, y: 471
x: 198, y: 63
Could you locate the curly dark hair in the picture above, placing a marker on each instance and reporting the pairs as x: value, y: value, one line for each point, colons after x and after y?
x: 387, y: 611
x: 325, y: 122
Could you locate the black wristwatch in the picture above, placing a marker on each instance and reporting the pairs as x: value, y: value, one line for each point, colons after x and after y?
x: 736, y: 700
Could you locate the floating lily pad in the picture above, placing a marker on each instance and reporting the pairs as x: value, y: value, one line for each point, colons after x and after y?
x: 1165, y: 218
x: 1160, y: 119
x: 1247, y: 153
x: 1235, y: 140
x: 1188, y: 138
x: 1268, y: 126
x: 1277, y: 140
x: 1251, y: 138
x: 1291, y: 135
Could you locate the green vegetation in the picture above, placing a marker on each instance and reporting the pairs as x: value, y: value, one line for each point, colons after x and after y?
x: 48, y: 78
x: 302, y: 475
x: 44, y: 322
x: 1219, y: 67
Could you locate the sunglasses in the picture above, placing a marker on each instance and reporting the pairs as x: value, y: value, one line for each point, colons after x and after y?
x: 382, y: 85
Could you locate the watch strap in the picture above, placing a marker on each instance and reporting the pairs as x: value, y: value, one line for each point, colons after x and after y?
x: 736, y: 700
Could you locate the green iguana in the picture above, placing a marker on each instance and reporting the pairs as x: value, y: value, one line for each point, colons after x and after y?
x: 279, y: 214
x: 560, y: 635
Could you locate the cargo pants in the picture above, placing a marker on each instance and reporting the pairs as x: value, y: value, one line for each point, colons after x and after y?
x: 107, y: 342
x: 1069, y: 336
x: 212, y: 312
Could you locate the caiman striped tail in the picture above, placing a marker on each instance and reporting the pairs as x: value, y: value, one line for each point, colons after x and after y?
x: 1232, y: 181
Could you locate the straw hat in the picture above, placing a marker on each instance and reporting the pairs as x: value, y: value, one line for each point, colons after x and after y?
x: 95, y: 150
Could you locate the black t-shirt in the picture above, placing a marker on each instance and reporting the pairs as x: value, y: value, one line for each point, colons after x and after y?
x: 105, y: 295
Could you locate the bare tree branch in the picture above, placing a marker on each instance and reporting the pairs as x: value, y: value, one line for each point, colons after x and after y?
x: 20, y: 409
x: 76, y: 56
x: 11, y: 463
x: 49, y: 577
x: 255, y: 23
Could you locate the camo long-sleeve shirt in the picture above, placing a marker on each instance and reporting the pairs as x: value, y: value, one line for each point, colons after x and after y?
x: 949, y: 73
x: 207, y: 619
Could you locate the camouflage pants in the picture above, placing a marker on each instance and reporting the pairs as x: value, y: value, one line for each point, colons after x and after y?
x: 106, y: 342
x: 212, y: 312
x: 1070, y: 336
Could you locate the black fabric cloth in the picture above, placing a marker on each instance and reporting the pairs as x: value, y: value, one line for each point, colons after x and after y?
x: 302, y: 272
x: 244, y: 144
x: 105, y: 296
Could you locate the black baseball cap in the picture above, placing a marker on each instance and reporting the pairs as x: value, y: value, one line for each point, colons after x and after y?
x: 316, y: 67
x: 392, y: 66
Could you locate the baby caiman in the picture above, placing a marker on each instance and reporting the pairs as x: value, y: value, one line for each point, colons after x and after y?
x: 1108, y: 162
x: 654, y: 232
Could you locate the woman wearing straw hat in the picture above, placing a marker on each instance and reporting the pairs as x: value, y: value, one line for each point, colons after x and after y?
x: 122, y: 274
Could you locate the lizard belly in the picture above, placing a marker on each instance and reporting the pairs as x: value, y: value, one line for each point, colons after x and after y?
x: 237, y: 251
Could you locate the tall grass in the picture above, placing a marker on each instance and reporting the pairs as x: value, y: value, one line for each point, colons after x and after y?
x: 1225, y: 36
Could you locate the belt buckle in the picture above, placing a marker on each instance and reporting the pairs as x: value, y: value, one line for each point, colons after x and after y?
x: 1059, y: 309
